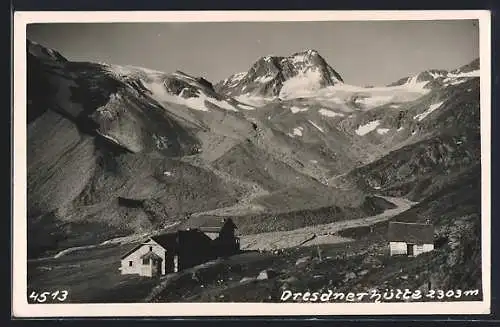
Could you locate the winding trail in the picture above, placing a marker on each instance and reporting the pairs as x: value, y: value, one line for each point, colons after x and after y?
x: 113, y: 241
x: 253, y: 191
x: 319, y: 234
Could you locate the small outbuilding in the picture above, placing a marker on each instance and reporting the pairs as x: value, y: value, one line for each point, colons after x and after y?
x: 410, y: 239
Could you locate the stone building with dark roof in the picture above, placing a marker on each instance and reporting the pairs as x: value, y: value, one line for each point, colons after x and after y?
x: 171, y: 252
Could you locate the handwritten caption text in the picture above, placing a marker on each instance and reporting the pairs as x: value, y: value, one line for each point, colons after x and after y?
x: 376, y: 295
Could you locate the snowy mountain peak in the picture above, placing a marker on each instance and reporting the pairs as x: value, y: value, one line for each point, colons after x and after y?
x: 308, y: 57
x: 432, y: 78
x: 270, y: 74
x: 470, y: 67
x: 306, y: 54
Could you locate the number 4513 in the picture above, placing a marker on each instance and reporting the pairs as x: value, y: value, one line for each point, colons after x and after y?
x: 47, y: 296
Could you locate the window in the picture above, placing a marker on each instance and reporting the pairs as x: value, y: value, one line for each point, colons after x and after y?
x: 150, y: 248
x: 145, y: 261
x: 130, y: 263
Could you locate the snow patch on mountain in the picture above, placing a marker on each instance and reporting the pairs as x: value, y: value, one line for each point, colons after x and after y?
x: 431, y: 108
x: 264, y: 79
x: 222, y: 104
x: 367, y: 128
x: 341, y: 93
x: 130, y: 145
x: 234, y: 79
x: 297, y: 109
x: 413, y: 83
x: 298, y: 131
x: 456, y: 82
x: 298, y: 58
x: 130, y: 71
x: 239, y: 76
x: 329, y: 113
x: 474, y: 73
x: 154, y: 81
x: 459, y: 78
x: 109, y: 138
x: 409, y: 87
x: 315, y: 125
x: 304, y: 84
x: 197, y: 103
x: 160, y: 94
x: 374, y: 101
x: 382, y: 131
x: 436, y: 74
x: 157, y: 88
x: 245, y: 106
x: 253, y: 100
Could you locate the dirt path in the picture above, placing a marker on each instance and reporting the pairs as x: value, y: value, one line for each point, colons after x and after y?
x: 319, y: 234
x: 253, y: 191
x: 113, y: 241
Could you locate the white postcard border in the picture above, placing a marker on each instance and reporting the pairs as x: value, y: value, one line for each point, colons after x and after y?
x: 20, y: 306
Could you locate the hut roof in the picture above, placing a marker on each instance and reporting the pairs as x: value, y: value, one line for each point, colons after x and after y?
x: 166, y: 240
x: 411, y: 233
x: 209, y: 229
x: 172, y: 241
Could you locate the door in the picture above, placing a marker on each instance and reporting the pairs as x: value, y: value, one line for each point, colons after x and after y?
x: 156, y: 268
x: 409, y: 249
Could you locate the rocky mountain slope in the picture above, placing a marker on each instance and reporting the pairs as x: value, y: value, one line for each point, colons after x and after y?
x: 115, y: 150
x: 445, y: 140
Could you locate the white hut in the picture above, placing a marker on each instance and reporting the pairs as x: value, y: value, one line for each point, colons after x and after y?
x: 410, y: 239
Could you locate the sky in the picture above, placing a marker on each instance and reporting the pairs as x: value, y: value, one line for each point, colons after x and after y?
x: 362, y: 52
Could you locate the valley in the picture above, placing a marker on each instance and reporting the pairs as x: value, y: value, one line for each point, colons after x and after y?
x: 101, y: 260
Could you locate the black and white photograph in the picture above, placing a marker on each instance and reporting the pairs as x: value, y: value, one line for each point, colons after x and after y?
x: 256, y: 164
